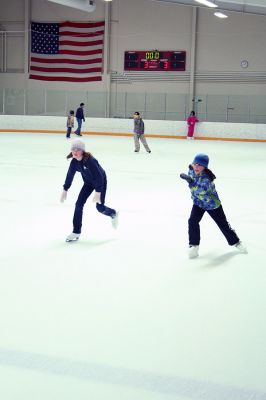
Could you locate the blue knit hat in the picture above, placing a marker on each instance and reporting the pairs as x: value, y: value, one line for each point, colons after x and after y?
x: 201, y: 159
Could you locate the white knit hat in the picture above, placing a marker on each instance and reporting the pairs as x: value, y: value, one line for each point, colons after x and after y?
x: 77, y: 145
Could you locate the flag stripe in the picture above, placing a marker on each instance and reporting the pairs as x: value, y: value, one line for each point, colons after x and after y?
x: 74, y: 43
x: 80, y: 53
x: 79, y: 39
x: 66, y: 65
x: 68, y: 51
x: 73, y: 70
x: 65, y: 78
x: 71, y: 57
x: 65, y: 61
x: 81, y: 24
x: 81, y: 35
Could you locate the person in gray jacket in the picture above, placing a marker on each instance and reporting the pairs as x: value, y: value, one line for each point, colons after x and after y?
x: 139, y: 133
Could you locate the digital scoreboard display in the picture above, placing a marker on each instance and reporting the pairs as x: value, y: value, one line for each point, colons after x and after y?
x: 155, y: 60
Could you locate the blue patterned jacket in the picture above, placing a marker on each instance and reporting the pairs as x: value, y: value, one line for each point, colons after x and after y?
x: 203, y: 192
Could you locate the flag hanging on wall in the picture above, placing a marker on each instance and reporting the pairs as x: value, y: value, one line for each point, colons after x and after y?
x: 67, y: 51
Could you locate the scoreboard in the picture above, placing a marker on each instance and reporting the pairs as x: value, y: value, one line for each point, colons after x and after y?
x: 155, y: 60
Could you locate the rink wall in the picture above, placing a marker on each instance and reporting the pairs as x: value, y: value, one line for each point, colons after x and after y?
x: 123, y: 127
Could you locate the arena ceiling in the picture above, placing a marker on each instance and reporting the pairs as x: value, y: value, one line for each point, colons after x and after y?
x: 242, y: 6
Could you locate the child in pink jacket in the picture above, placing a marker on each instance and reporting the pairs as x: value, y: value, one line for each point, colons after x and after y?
x: 191, y: 122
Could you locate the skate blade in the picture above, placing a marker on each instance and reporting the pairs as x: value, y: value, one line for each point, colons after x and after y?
x: 72, y: 240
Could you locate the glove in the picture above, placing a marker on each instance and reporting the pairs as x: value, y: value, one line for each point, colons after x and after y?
x: 97, y: 197
x: 63, y: 196
x: 186, y: 178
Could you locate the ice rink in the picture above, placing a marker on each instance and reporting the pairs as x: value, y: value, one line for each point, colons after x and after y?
x: 125, y: 315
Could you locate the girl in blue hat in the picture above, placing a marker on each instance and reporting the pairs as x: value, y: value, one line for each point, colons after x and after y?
x: 205, y: 198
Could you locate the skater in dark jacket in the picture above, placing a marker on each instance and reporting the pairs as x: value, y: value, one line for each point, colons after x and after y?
x: 80, y: 117
x: 94, y: 178
x: 205, y: 198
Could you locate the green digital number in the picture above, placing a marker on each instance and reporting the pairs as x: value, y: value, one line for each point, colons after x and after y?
x: 152, y: 55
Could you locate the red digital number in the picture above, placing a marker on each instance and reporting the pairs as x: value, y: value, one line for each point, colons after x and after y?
x: 165, y: 65
x: 146, y: 65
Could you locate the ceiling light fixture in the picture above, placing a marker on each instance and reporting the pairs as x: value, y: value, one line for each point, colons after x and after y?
x: 83, y: 5
x: 220, y: 15
x: 207, y: 3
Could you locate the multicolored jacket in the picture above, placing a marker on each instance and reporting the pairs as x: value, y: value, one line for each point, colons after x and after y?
x: 203, y: 192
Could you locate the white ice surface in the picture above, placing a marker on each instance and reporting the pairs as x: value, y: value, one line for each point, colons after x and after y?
x: 124, y: 315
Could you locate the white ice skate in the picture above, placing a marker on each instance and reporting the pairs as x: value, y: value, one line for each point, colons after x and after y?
x: 241, y: 248
x: 73, y: 237
x: 115, y: 220
x: 193, y: 251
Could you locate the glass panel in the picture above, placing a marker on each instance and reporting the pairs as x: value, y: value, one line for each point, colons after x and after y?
x: 155, y: 115
x: 257, y: 109
x: 14, y: 101
x: 155, y: 102
x: 176, y: 107
x: 216, y: 108
x: 56, y: 103
x: 238, y: 110
x: 200, y: 103
x: 73, y: 100
x: 157, y: 106
x: 1, y: 101
x: 174, y: 116
x: 216, y: 118
x: 35, y: 102
x: 135, y: 102
x: 118, y: 104
x: 95, y: 105
x: 1, y: 52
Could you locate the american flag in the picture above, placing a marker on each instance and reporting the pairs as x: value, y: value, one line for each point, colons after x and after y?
x: 67, y: 51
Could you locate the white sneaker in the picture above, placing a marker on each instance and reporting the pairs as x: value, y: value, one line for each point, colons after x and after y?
x: 193, y: 251
x: 115, y: 220
x: 73, y: 237
x: 241, y: 248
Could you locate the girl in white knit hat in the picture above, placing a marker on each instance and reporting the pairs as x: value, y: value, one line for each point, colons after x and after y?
x: 94, y: 178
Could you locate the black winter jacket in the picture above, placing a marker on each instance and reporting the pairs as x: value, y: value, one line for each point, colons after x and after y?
x: 80, y: 114
x: 92, y: 173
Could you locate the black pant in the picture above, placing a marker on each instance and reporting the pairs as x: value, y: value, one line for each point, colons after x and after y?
x: 218, y: 216
x: 82, y: 198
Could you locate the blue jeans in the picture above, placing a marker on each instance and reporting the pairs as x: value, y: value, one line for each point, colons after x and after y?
x: 69, y: 129
x: 84, y: 194
x: 219, y: 218
x: 78, y: 130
